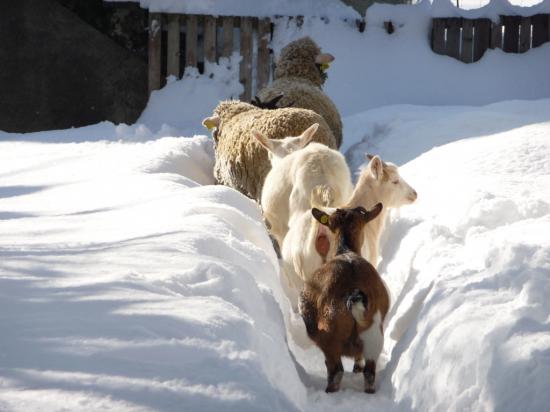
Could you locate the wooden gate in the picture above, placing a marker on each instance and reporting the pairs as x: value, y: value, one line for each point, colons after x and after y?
x: 467, y: 39
x: 177, y: 41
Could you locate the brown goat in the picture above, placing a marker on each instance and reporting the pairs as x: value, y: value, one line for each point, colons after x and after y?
x: 345, y: 302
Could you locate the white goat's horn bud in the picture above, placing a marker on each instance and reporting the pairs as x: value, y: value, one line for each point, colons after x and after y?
x: 324, y: 58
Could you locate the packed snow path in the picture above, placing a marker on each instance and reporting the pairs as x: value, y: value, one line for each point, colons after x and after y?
x: 128, y: 283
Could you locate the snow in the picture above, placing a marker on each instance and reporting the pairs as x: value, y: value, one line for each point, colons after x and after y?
x: 130, y: 282
x: 257, y: 8
x: 490, y: 9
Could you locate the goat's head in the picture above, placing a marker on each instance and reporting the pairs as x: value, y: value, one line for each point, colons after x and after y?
x: 392, y: 189
x: 348, y: 223
x: 280, y: 148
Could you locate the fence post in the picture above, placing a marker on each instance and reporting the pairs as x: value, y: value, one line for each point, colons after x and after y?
x: 541, y: 29
x: 227, y: 33
x: 191, y: 41
x: 438, y: 36
x: 210, y: 39
x: 467, y: 41
x: 525, y: 34
x: 262, y: 69
x: 482, y: 39
x: 496, y: 35
x: 154, y: 44
x: 173, y: 47
x: 246, y: 62
x: 511, y: 33
x: 453, y: 37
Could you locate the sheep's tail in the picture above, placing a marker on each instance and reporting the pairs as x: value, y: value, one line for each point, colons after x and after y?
x: 322, y: 195
x: 357, y: 303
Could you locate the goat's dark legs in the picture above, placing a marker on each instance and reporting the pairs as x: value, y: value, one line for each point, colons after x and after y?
x: 369, y: 373
x: 359, y: 364
x: 335, y: 372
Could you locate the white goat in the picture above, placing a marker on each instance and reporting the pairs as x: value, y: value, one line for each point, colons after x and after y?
x: 308, y: 244
x: 288, y: 186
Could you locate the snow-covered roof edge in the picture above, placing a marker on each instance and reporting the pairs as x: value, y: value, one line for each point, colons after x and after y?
x: 250, y: 8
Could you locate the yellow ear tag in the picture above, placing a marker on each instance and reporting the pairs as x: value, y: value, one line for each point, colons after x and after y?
x: 325, y: 66
x: 324, y: 219
x: 209, y: 124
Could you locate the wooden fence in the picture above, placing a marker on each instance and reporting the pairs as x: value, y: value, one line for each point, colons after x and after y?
x: 177, y: 41
x: 467, y: 40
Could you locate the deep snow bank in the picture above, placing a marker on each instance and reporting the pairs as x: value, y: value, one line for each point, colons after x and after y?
x: 469, y: 264
x: 125, y: 285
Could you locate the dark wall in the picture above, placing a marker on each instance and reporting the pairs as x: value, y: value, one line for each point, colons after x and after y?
x: 57, y: 71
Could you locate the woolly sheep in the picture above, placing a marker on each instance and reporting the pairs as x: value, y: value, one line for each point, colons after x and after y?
x: 241, y: 162
x: 299, y: 76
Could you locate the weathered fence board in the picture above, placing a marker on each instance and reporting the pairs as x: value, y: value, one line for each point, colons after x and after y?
x: 227, y: 32
x: 210, y: 39
x: 191, y: 41
x: 541, y: 28
x: 246, y: 61
x: 173, y: 48
x: 510, y: 42
x: 154, y: 46
x: 438, y: 36
x: 482, y: 37
x: 467, y: 50
x: 496, y: 36
x: 467, y: 39
x: 525, y: 34
x: 453, y: 37
x: 263, y: 65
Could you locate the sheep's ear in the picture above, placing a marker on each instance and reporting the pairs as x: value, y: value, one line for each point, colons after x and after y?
x: 264, y: 141
x: 211, y: 122
x: 376, y: 168
x: 324, y: 58
x: 308, y: 134
x: 320, y: 216
x: 374, y: 212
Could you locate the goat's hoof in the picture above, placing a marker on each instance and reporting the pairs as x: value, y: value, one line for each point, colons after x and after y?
x: 370, y: 389
x: 332, y: 388
x: 358, y: 368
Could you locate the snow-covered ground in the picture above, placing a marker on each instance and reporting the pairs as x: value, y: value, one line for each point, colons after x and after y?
x: 129, y: 282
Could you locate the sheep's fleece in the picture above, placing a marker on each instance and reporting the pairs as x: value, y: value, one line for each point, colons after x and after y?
x: 241, y: 162
x: 300, y: 79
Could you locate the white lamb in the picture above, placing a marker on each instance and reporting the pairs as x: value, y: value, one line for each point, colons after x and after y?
x: 289, y: 184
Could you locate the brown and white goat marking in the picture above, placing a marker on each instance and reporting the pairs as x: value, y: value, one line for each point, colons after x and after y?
x: 345, y: 301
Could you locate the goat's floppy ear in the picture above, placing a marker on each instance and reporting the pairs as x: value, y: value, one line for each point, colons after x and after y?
x: 264, y: 141
x: 376, y: 167
x: 320, y: 216
x: 308, y: 134
x: 211, y: 122
x: 374, y: 212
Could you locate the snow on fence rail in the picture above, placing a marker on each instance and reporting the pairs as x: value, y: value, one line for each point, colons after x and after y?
x: 467, y: 39
x: 177, y: 41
